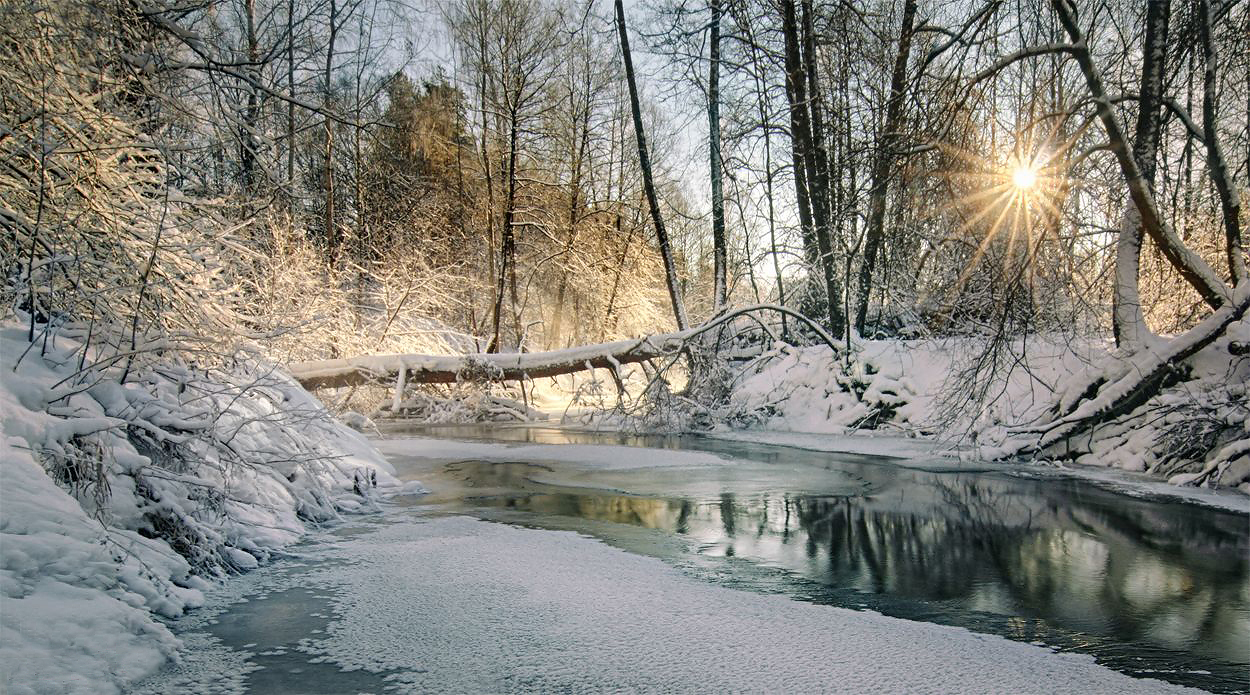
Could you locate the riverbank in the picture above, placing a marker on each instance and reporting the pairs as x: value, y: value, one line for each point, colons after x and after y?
x: 121, y: 502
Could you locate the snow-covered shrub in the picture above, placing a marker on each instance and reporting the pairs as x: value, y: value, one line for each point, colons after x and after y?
x: 146, y: 443
x: 120, y: 497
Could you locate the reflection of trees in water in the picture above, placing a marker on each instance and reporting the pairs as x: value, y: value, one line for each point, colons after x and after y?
x: 1081, y: 558
x: 1088, y: 561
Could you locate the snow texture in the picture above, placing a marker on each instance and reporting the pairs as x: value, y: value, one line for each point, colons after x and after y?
x: 1197, y: 431
x: 118, y: 499
x: 460, y: 605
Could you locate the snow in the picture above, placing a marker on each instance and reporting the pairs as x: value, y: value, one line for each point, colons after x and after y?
x: 897, y: 391
x: 862, y: 444
x: 459, y: 605
x: 177, y: 475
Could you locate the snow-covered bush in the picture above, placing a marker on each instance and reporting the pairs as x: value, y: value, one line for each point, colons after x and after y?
x: 146, y: 442
x: 120, y: 497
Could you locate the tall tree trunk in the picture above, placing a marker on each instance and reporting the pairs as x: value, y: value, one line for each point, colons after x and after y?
x: 818, y: 172
x: 1128, y: 324
x: 332, y: 235
x: 812, y: 196
x: 290, y: 109
x: 720, y: 258
x: 507, y: 252
x: 487, y: 172
x: 882, y: 164
x: 648, y: 185
x: 1230, y: 204
x: 247, y: 155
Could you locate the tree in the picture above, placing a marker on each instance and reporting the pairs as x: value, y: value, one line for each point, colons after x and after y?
x: 648, y: 182
x: 1147, y: 371
x: 883, y: 159
x: 720, y: 259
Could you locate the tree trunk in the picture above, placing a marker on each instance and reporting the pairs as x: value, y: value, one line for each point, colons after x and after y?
x: 882, y: 164
x: 1128, y: 322
x: 507, y: 252
x: 332, y: 236
x: 290, y: 109
x: 818, y: 175
x: 811, y: 190
x: 1230, y: 204
x: 720, y: 258
x: 644, y: 162
x: 800, y: 132
x: 247, y: 136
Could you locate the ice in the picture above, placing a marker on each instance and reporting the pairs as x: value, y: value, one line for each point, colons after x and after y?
x: 597, y: 457
x: 460, y: 605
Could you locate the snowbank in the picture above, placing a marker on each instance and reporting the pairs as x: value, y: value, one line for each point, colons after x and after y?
x: 1195, y: 431
x: 118, y: 499
x: 894, y: 385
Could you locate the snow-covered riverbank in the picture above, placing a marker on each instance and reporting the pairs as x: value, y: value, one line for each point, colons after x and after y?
x: 118, y: 500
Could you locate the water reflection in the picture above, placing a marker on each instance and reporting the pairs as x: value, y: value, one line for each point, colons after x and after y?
x: 1144, y: 581
x: 1072, y: 560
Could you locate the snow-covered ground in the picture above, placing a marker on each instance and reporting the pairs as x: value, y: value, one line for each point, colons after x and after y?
x: 1198, y: 428
x: 176, y: 475
x: 461, y: 605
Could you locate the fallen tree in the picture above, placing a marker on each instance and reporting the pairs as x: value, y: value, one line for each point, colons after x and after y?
x: 450, y: 369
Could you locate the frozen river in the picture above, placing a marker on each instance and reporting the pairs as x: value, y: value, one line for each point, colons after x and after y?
x: 697, y: 564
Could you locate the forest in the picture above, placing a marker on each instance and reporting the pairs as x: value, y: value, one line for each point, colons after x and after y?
x: 324, y: 180
x: 237, y: 236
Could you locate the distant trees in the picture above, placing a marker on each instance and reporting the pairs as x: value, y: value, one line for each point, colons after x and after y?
x: 859, y: 156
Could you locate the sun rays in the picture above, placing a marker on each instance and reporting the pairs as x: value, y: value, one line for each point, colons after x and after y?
x: 1014, y: 200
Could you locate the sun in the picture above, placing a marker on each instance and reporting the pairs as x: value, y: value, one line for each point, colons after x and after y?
x: 1024, y: 177
x: 1013, y: 201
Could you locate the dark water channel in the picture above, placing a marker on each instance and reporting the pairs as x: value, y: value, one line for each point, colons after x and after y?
x: 1150, y: 586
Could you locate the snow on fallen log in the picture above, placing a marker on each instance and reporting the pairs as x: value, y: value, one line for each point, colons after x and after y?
x: 1145, y: 376
x: 446, y: 369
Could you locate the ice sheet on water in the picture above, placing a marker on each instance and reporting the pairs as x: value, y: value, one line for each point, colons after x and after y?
x: 597, y: 456
x: 462, y: 605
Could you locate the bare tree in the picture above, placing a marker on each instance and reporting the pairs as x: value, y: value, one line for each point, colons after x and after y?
x: 648, y: 182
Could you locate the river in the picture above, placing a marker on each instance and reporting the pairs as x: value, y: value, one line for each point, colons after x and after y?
x: 1149, y: 586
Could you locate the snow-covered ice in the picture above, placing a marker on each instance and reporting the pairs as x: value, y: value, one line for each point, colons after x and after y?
x: 460, y: 605
x: 592, y: 456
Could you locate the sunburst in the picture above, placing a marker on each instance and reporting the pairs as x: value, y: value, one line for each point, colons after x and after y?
x: 1012, y: 198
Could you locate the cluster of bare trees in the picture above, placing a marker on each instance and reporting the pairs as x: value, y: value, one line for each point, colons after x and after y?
x: 892, y: 167
x: 904, y: 120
